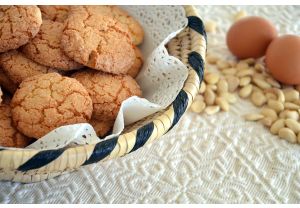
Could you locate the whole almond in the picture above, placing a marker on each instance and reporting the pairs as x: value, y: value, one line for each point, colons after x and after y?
x: 245, y: 72
x: 276, y: 126
x: 212, y: 109
x: 241, y: 14
x: 233, y: 83
x: 222, y: 86
x: 221, y: 64
x: 289, y: 114
x: 242, y: 65
x: 273, y: 82
x: 212, y: 78
x: 209, y: 97
x: 261, y: 83
x: 275, y: 105
x: 258, y: 98
x: 293, y: 125
x: 231, y: 98
x: 202, y: 87
x: 212, y: 59
x: 267, y: 121
x: 287, y: 134
x: 253, y: 117
x: 245, y: 91
x: 270, y: 113
x: 198, y: 106
x: 245, y: 81
x: 291, y: 106
x: 222, y: 103
x: 259, y: 67
x: 291, y: 95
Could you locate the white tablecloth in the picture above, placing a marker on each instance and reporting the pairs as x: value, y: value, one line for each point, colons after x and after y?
x: 205, y: 159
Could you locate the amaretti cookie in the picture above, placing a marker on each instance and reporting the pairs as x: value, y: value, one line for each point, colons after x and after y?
x: 18, y: 67
x: 138, y: 63
x: 107, y: 91
x: 18, y: 24
x: 136, y: 31
x: 7, y: 83
x: 9, y: 135
x: 57, y: 13
x: 97, y: 41
x: 45, y: 49
x: 45, y: 102
x: 102, y: 128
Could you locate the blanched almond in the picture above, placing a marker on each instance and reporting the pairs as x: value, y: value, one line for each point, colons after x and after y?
x: 212, y: 109
x: 293, y: 125
x: 276, y: 126
x: 287, y: 134
x: 209, y: 97
x: 268, y: 112
x: 291, y: 95
x: 222, y: 86
x: 212, y: 78
x: 233, y: 83
x: 275, y: 105
x: 198, y: 106
x: 245, y: 81
x: 258, y: 98
x: 202, y: 87
x: 253, y: 117
x: 245, y: 91
x: 222, y: 103
x: 261, y: 83
x: 291, y: 106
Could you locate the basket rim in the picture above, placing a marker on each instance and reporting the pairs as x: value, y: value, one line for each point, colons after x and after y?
x: 31, y: 159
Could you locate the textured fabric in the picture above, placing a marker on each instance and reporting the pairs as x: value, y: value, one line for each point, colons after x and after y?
x: 204, y: 159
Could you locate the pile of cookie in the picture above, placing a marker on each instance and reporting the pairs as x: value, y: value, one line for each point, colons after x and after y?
x: 62, y: 65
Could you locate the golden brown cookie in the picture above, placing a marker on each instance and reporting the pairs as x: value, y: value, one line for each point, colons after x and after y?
x: 6, y: 82
x: 107, y: 91
x: 45, y: 102
x: 17, y: 67
x: 136, y: 31
x: 138, y: 63
x: 57, y: 13
x: 101, y: 127
x: 9, y: 135
x: 18, y: 24
x: 45, y: 49
x: 97, y: 41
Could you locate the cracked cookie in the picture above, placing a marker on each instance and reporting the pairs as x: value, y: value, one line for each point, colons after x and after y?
x: 45, y: 102
x: 18, y: 24
x: 45, y: 49
x: 107, y: 91
x: 138, y: 63
x: 9, y: 135
x: 6, y: 82
x: 57, y: 13
x: 135, y: 30
x: 97, y: 41
x: 17, y: 67
x: 102, y: 128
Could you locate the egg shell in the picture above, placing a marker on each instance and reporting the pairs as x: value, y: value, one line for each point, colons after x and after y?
x: 283, y: 59
x: 249, y: 37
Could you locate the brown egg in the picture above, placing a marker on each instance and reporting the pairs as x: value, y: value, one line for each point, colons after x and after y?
x: 250, y: 37
x: 283, y: 59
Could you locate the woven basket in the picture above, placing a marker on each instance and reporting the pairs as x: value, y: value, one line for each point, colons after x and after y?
x: 27, y: 166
